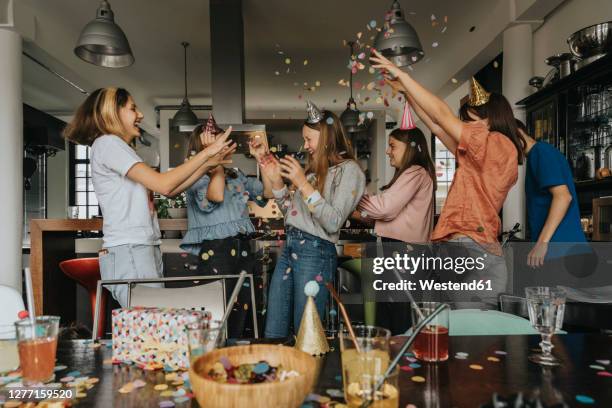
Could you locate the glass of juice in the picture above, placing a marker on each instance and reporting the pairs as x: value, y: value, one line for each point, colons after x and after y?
x: 37, y: 345
x: 431, y: 344
x: 363, y: 369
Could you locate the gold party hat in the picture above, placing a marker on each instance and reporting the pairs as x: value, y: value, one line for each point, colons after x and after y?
x: 311, y: 338
x: 478, y: 95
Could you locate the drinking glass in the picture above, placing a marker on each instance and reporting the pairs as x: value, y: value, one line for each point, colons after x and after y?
x: 363, y: 369
x: 546, y: 307
x: 37, y: 345
x: 431, y: 344
x: 72, y: 212
x: 203, y: 336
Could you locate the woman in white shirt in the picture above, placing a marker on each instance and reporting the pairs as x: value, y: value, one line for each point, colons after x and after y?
x: 108, y: 121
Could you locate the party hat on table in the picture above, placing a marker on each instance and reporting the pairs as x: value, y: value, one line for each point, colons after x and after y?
x: 407, y: 121
x: 311, y: 337
x: 314, y: 114
x: 211, y: 126
x: 478, y: 95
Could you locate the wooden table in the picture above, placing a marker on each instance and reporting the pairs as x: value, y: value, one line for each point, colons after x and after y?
x: 449, y: 384
x: 52, y: 241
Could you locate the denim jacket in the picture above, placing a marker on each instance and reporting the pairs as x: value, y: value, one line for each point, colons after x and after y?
x: 208, y: 220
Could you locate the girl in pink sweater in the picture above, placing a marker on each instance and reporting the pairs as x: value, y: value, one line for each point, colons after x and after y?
x: 403, y: 210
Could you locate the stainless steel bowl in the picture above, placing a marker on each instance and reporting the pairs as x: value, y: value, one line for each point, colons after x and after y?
x: 593, y: 40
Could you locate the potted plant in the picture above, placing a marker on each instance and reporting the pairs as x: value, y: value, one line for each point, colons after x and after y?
x: 175, y: 207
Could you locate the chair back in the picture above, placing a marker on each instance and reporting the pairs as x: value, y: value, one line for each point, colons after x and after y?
x: 11, y: 303
x: 209, y: 297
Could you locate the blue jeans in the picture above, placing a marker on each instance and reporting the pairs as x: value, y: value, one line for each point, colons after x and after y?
x: 303, y: 257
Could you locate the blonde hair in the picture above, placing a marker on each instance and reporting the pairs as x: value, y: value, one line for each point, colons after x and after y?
x: 98, y: 115
x: 333, y: 148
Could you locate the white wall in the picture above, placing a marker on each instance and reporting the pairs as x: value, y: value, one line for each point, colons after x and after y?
x: 571, y: 16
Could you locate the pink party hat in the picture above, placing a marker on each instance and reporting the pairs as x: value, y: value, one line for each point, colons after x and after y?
x: 407, y: 121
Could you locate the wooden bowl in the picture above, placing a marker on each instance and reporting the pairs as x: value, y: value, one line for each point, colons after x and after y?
x: 284, y: 394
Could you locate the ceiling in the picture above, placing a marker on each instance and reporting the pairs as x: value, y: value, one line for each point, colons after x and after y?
x: 312, y: 31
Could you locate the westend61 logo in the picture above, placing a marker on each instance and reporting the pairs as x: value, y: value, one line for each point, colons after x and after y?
x: 412, y: 264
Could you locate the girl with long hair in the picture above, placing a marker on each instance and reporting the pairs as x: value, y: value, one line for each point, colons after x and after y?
x: 108, y: 121
x: 324, y: 195
x: 219, y: 226
x: 488, y: 148
x: 404, y: 209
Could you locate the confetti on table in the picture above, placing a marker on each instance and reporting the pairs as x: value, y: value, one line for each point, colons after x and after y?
x: 476, y: 367
x: 597, y: 367
x: 434, y: 44
x: 139, y: 383
x: 418, y: 379
x: 406, y: 368
x: 415, y: 365
x: 180, y: 400
x: 60, y: 368
x: 73, y: 374
x: 81, y: 395
x: 205, y: 256
x: 160, y: 387
x: 166, y: 393
x: 127, y: 388
x: 211, y: 252
x: 92, y: 380
x: 67, y: 379
x: 604, y: 374
x: 500, y: 352
x: 461, y: 355
x: 245, y: 253
x: 585, y: 399
x: 294, y: 255
x: 287, y: 61
x: 454, y: 80
x: 166, y: 404
x: 302, y: 242
x: 12, y: 404
x: 180, y: 392
x: 603, y: 362
x: 233, y: 252
x: 493, y: 359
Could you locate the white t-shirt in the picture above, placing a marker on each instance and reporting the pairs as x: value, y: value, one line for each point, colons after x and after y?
x: 124, y: 203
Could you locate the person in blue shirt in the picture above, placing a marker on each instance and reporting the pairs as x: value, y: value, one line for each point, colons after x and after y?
x: 218, y: 223
x: 552, y: 204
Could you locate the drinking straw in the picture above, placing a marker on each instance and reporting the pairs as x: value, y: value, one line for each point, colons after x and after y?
x: 232, y: 300
x: 349, y: 325
x: 29, y: 295
x: 401, y: 352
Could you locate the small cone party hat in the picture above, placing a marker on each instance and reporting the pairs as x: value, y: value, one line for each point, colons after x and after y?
x: 478, y: 95
x: 211, y: 126
x: 311, y: 338
x: 314, y: 114
x: 407, y: 121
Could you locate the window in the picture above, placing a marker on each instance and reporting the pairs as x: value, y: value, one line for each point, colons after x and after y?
x: 82, y: 192
x: 445, y: 164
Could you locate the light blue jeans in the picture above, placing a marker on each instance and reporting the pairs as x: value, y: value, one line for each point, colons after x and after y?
x: 303, y: 257
x: 131, y: 261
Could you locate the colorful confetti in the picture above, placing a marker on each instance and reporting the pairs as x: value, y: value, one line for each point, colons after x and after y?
x: 476, y: 367
x: 418, y: 379
x: 335, y: 393
x: 604, y: 374
x: 597, y: 367
x: 493, y: 359
x: 585, y: 399
x: 603, y: 362
x: 500, y: 352
x: 294, y: 255
x: 160, y: 387
x: 287, y: 61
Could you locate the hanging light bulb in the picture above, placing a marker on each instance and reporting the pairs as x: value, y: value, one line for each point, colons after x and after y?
x: 185, y: 116
x: 398, y: 40
x: 103, y: 43
x: 350, y: 116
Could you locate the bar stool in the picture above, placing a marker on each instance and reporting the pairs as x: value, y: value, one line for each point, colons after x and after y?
x: 86, y: 271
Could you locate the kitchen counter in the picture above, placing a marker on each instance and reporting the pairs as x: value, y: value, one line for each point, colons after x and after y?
x: 52, y: 241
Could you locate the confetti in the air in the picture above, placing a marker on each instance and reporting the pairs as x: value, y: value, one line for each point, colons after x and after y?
x: 434, y: 44
x: 454, y: 80
x: 287, y: 61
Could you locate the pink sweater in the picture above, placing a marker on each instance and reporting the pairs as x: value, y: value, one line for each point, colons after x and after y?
x: 404, y: 211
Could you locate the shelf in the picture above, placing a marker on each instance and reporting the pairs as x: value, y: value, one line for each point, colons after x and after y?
x: 590, y: 184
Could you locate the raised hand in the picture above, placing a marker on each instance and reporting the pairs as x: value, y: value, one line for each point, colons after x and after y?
x: 223, y: 156
x: 207, y: 138
x: 219, y: 143
x: 293, y: 171
x: 270, y: 168
x: 258, y: 146
x: 390, y: 70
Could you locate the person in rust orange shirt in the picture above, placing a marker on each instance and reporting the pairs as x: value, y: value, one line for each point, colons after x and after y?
x: 488, y: 148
